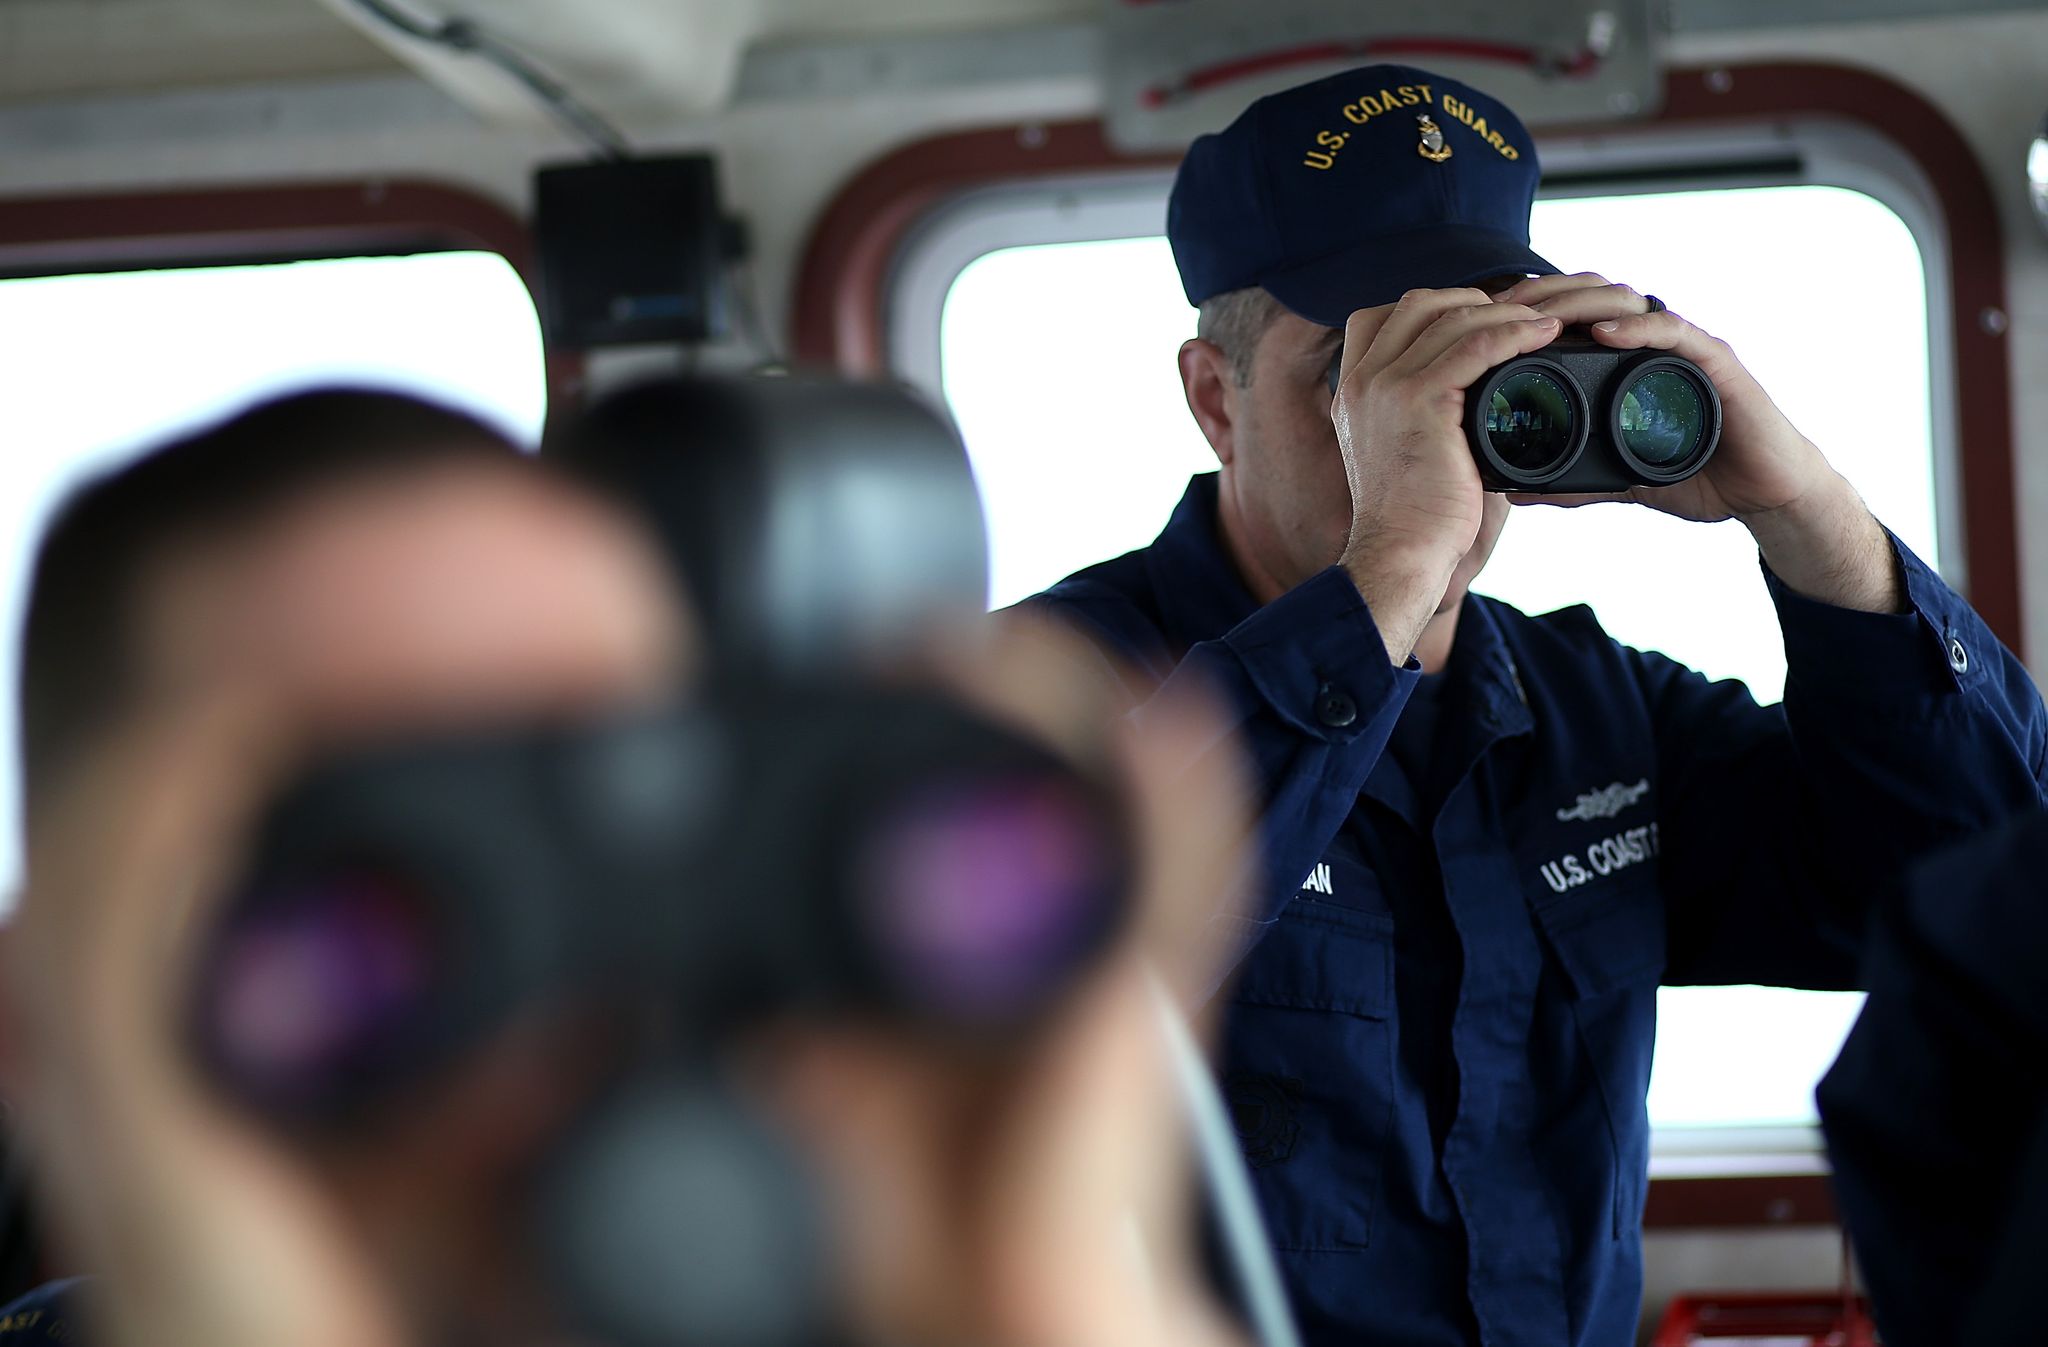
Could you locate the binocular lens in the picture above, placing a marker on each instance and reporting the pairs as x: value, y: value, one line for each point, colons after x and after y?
x: 1663, y: 418
x: 1530, y: 421
x: 318, y: 984
x: 984, y: 894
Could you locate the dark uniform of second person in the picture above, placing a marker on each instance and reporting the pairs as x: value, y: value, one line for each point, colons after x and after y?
x: 1490, y: 837
x: 1937, y: 1109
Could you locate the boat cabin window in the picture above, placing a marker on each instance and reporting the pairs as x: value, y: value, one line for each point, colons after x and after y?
x: 1056, y: 354
x: 100, y: 365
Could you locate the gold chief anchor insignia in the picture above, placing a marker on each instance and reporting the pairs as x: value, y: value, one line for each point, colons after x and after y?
x: 1432, y: 147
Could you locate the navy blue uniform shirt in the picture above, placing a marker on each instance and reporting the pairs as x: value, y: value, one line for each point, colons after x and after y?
x: 1937, y: 1110
x: 1438, y: 1039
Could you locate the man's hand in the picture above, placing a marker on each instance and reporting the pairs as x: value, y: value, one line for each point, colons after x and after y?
x: 1416, y: 497
x: 1814, y: 530
x: 200, y: 1231
x: 1040, y: 1195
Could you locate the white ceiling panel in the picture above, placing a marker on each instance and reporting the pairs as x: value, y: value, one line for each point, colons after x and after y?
x: 51, y: 48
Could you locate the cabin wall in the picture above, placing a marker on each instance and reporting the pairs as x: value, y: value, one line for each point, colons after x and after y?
x: 1985, y: 74
x: 782, y: 162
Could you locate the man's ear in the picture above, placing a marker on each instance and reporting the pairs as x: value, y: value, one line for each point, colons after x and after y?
x: 1209, y: 381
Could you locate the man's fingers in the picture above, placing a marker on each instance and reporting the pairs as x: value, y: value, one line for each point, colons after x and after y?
x: 131, y: 853
x: 1454, y: 326
x: 1195, y: 800
x: 151, y: 1178
x: 1190, y: 795
x: 1474, y: 350
x: 138, y: 802
x: 1377, y: 337
x: 1031, y: 673
x: 1592, y: 303
x: 1667, y: 331
x: 1663, y: 330
x: 1536, y: 289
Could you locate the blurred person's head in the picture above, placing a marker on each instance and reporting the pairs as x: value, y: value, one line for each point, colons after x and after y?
x: 1014, y: 1193
x: 330, y: 567
x: 976, y: 1197
x: 114, y: 615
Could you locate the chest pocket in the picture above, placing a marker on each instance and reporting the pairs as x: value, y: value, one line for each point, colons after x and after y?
x: 1343, y: 879
x: 1609, y: 945
x: 1606, y: 938
x: 1308, y: 1068
x: 1591, y: 875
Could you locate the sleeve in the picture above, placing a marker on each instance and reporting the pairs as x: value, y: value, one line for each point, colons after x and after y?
x: 1311, y: 699
x: 1900, y: 733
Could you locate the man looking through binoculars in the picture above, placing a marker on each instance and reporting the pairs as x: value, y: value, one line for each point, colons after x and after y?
x: 221, y: 613
x: 1489, y: 838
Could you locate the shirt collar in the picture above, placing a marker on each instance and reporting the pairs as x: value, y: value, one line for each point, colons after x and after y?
x: 1200, y: 594
x: 1483, y: 675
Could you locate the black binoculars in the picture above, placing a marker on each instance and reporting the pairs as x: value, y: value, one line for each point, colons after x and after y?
x: 861, y: 852
x: 1577, y: 417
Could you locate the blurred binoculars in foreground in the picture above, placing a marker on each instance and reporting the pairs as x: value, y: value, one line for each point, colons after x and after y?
x: 863, y: 853
x: 795, y: 838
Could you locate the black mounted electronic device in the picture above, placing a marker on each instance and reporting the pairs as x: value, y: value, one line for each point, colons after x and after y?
x: 632, y: 252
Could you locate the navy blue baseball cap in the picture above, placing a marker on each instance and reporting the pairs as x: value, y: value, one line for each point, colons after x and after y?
x: 1345, y: 193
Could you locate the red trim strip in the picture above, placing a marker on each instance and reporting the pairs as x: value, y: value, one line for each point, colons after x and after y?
x: 1842, y: 1321
x: 229, y: 224
x: 124, y: 229
x: 839, y: 294
x: 1582, y: 63
x: 1739, y: 1202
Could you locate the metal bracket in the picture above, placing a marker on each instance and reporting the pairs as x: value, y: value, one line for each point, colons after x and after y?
x: 1173, y: 69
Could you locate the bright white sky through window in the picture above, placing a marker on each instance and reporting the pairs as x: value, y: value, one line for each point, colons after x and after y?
x: 101, y: 366
x: 1058, y: 362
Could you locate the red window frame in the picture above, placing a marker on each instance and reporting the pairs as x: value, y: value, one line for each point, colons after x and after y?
x: 839, y: 307
x: 840, y: 297
x: 224, y: 226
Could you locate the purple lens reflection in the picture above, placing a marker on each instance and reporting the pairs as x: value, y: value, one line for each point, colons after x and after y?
x: 983, y: 896
x: 310, y: 989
